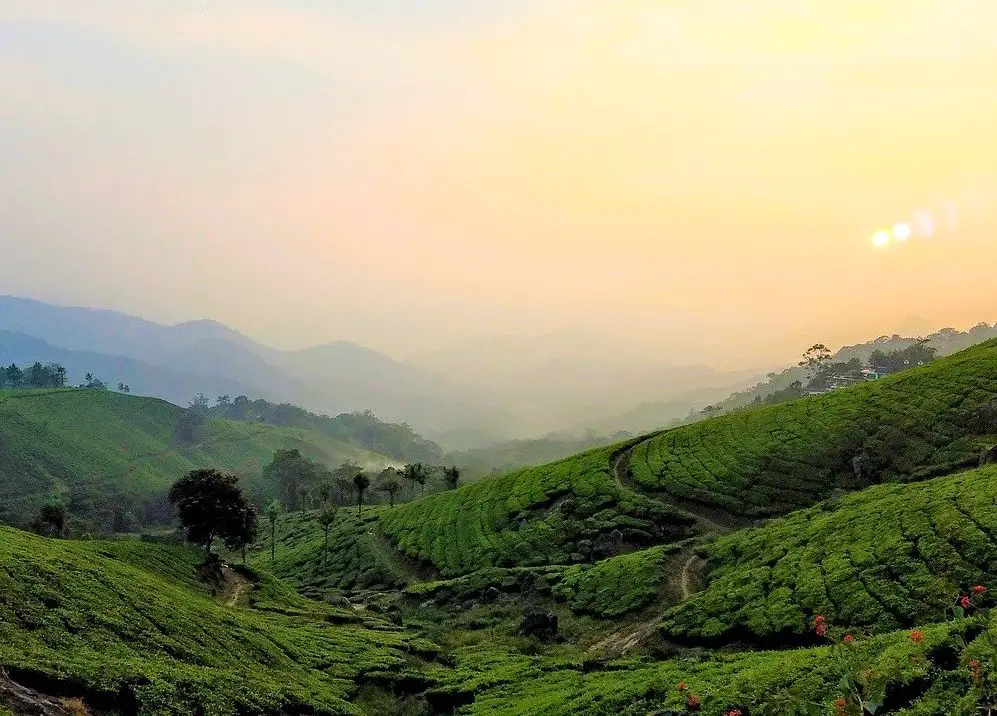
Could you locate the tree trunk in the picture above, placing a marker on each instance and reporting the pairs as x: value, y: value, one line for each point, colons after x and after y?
x: 273, y: 537
x: 391, y: 499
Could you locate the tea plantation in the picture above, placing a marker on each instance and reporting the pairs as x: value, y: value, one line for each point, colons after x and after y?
x: 112, y: 444
x: 914, y: 424
x: 917, y: 680
x: 561, y: 513
x: 112, y: 623
x: 889, y: 556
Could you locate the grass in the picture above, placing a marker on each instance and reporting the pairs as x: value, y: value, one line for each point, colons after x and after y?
x: 112, y: 448
x: 912, y: 425
x: 562, y: 513
x: 356, y: 557
x: 146, y: 639
x: 887, y: 557
x: 618, y: 585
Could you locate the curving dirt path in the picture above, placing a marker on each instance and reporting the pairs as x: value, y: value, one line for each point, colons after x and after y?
x: 234, y: 582
x: 687, y: 575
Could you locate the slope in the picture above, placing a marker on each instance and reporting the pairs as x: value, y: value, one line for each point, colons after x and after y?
x: 569, y: 511
x: 921, y: 422
x: 75, y: 619
x: 890, y: 556
x: 113, y: 447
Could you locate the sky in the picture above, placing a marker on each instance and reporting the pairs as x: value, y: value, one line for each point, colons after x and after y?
x: 707, y: 177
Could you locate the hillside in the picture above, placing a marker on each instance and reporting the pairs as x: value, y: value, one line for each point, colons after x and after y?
x: 888, y: 557
x: 112, y: 451
x: 918, y: 423
x: 130, y: 627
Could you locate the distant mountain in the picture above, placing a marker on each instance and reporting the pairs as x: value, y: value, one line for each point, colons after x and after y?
x: 206, y: 356
x: 143, y: 378
x: 555, y: 378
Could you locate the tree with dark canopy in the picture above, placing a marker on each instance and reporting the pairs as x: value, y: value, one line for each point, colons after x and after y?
x: 360, y: 483
x: 390, y: 484
x: 212, y: 505
x: 52, y: 519
x: 451, y: 477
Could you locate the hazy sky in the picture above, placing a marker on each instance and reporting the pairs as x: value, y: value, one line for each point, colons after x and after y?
x: 703, y: 174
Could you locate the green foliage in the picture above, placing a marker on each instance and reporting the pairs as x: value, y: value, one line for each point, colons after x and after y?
x: 555, y: 514
x: 771, y: 460
x: 618, y: 585
x: 36, y: 375
x: 110, y: 454
x: 356, y: 557
x: 887, y: 557
x: 114, y: 620
x: 361, y: 429
x: 211, y: 505
x: 776, y: 683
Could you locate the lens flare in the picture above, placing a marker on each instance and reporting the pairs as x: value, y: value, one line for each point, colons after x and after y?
x: 901, y: 232
x: 881, y: 238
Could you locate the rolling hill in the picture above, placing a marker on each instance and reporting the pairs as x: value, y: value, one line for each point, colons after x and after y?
x: 888, y: 557
x: 118, y: 450
x: 133, y: 628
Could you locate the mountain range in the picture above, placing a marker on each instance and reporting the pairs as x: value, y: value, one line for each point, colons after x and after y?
x: 469, y: 395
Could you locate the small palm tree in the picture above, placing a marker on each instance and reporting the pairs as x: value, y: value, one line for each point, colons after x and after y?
x: 272, y: 512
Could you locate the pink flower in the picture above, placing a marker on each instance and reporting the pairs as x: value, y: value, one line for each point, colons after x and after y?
x: 979, y: 589
x: 820, y: 625
x: 848, y: 639
x: 964, y: 602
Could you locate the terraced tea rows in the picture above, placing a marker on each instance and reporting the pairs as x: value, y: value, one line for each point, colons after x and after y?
x: 763, y: 683
x: 767, y: 461
x: 890, y: 556
x: 570, y: 511
x: 129, y: 639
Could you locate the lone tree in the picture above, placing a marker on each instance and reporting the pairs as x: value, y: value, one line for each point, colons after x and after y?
x: 451, y: 477
x: 272, y: 511
x: 360, y: 483
x: 390, y: 485
x: 211, y: 504
x: 815, y: 361
x: 325, y: 518
x: 52, y: 519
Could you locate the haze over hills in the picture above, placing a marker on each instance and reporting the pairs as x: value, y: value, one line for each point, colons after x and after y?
x: 465, y: 396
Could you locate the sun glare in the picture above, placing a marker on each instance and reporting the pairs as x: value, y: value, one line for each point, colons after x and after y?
x: 881, y: 238
x: 901, y: 232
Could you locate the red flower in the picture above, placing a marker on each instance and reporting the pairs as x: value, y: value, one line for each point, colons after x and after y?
x: 682, y: 686
x: 848, y: 639
x: 979, y: 589
x: 692, y: 703
x: 820, y: 625
x: 839, y: 706
x: 964, y: 602
x: 735, y: 712
x: 916, y: 636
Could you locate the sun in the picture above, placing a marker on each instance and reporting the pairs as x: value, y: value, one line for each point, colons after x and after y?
x: 881, y: 238
x: 901, y: 232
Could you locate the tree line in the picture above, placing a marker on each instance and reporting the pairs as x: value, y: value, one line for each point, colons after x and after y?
x: 48, y: 375
x: 360, y: 428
